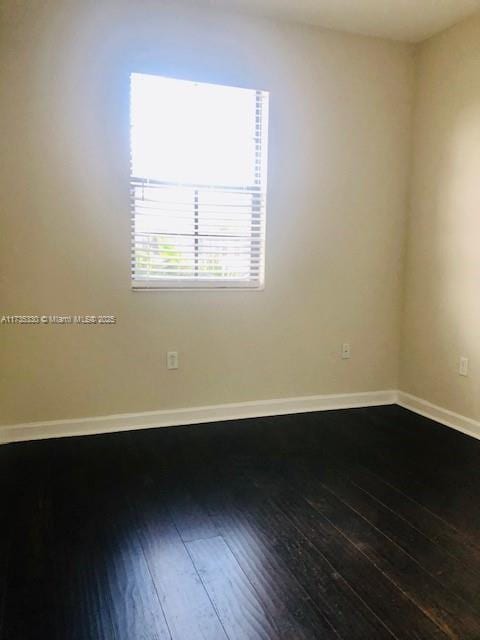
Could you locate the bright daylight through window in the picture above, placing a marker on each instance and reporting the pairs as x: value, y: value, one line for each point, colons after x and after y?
x: 198, y: 183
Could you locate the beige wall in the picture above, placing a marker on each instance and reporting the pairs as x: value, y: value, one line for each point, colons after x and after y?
x: 442, y: 284
x: 339, y: 156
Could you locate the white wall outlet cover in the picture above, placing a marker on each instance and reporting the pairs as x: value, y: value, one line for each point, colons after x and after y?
x: 346, y: 354
x: 463, y: 368
x: 172, y: 360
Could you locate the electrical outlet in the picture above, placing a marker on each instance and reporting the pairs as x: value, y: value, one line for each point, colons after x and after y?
x: 346, y: 351
x: 172, y: 360
x: 463, y: 368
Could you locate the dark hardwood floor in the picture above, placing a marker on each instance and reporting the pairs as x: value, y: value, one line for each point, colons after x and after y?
x: 357, y: 525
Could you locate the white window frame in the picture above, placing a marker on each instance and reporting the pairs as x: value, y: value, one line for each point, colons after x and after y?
x: 257, y: 190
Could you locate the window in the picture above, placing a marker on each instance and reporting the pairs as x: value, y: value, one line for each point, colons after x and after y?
x: 198, y: 184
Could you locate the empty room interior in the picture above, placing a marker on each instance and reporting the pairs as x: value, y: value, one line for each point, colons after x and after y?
x: 240, y: 320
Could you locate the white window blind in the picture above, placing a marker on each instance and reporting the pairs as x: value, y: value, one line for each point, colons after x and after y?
x: 198, y: 184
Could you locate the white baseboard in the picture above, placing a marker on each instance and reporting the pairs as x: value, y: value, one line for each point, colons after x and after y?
x: 439, y: 414
x: 194, y: 415
x: 235, y: 411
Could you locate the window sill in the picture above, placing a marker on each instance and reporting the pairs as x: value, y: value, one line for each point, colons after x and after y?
x: 149, y: 285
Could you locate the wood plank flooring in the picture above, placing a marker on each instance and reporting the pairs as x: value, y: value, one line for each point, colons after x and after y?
x: 361, y: 524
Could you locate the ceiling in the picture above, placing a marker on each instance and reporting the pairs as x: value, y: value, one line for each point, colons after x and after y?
x: 408, y: 20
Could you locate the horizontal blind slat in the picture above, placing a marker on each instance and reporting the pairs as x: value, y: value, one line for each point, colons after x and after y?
x: 208, y: 236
